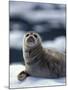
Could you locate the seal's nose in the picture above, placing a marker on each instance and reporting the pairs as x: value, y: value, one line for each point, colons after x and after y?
x: 31, y: 39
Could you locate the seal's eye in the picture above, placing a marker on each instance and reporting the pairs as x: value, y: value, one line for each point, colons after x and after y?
x: 35, y: 35
x: 27, y: 35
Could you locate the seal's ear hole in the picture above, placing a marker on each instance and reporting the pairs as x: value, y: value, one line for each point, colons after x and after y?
x: 35, y: 35
x: 27, y: 35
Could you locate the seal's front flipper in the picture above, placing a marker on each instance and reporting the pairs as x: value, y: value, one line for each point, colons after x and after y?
x: 22, y: 75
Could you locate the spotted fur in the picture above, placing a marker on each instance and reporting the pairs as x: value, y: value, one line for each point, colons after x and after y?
x: 43, y: 62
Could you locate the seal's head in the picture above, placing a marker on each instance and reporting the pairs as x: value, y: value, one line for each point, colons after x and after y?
x: 32, y: 39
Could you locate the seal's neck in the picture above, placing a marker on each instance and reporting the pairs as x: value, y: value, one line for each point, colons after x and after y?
x: 34, y: 54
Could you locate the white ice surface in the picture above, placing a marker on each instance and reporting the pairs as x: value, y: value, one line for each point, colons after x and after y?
x: 30, y: 81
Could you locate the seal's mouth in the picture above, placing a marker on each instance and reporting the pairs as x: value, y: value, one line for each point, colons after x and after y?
x: 30, y: 39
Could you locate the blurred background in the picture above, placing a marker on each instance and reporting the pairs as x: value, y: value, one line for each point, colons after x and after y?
x: 46, y: 19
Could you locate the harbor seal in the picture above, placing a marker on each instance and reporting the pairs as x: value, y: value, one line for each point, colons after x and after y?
x: 39, y: 61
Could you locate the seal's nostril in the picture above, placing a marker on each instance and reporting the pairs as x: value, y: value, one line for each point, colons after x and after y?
x: 31, y: 37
